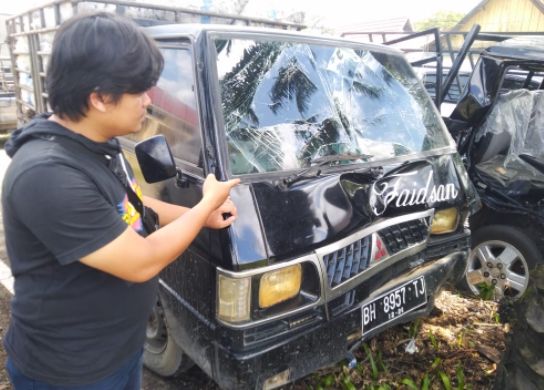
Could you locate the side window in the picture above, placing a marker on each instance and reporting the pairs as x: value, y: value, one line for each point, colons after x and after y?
x: 173, y: 110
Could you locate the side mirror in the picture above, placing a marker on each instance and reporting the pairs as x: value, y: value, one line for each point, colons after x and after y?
x: 155, y: 159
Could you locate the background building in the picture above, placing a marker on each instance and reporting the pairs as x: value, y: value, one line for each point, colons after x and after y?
x: 505, y: 16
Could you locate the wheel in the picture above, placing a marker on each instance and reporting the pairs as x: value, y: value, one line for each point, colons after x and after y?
x: 499, y: 263
x: 521, y: 364
x: 162, y: 355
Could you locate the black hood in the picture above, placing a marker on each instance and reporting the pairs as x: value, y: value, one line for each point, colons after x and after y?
x: 41, y: 127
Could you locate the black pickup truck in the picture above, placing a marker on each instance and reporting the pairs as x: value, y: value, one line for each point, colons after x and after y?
x: 351, y: 207
x: 352, y: 203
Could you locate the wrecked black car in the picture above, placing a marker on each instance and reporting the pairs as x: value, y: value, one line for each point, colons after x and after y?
x: 351, y: 207
x: 498, y: 124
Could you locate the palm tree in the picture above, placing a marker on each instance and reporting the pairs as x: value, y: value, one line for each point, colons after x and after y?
x: 291, y: 82
x: 239, y: 85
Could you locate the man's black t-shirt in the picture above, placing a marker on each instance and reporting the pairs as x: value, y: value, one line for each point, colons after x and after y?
x: 71, y: 324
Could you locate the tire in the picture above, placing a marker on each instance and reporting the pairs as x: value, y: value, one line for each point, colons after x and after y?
x: 162, y: 355
x: 521, y: 365
x: 500, y: 262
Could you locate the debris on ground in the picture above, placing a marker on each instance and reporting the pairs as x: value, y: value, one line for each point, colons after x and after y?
x: 458, y: 347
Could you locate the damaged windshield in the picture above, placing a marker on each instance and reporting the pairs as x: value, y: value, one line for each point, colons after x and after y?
x: 286, y: 104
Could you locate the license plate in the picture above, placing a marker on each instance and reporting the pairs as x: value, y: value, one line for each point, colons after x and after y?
x: 393, y: 304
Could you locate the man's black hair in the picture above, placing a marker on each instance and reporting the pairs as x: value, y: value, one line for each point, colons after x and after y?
x: 99, y: 52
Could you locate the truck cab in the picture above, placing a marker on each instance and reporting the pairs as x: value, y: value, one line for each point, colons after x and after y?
x: 351, y: 208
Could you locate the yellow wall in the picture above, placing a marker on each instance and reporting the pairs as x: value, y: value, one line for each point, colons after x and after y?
x: 506, y: 16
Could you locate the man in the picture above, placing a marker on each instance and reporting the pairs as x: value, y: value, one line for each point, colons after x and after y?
x: 85, y: 266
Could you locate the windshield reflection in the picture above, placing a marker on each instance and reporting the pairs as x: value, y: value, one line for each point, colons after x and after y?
x: 287, y: 103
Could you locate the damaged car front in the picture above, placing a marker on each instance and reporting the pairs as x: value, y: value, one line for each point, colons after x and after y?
x: 353, y: 195
x: 499, y: 126
x: 351, y: 206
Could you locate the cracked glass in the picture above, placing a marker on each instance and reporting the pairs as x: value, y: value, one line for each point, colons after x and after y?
x: 287, y: 104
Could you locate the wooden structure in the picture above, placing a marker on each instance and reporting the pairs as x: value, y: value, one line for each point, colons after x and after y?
x: 504, y: 16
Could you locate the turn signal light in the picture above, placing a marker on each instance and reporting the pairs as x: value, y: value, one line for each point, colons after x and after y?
x: 233, y: 298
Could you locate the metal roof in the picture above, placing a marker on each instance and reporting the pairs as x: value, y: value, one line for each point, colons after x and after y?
x: 530, y: 48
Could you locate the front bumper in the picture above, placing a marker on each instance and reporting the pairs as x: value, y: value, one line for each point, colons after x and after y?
x: 326, y: 341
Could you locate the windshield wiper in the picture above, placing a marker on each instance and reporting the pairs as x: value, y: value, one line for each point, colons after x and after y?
x: 317, y: 163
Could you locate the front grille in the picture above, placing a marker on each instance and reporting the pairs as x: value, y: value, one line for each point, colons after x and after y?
x: 348, y: 261
x: 404, y: 235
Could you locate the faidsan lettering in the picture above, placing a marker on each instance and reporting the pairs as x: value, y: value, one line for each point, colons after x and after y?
x: 410, y: 197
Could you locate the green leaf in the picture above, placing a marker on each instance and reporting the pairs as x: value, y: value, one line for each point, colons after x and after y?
x: 437, y: 361
x: 426, y: 383
x: 486, y: 290
x: 409, y: 383
x: 373, y: 366
x: 442, y: 19
x: 461, y: 338
x: 381, y: 364
x: 327, y: 380
x: 433, y: 339
x: 445, y: 380
x: 497, y: 318
x: 414, y: 328
x: 460, y: 378
x: 347, y: 384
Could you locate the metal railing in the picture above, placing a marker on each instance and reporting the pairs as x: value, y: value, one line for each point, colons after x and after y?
x: 450, y: 55
x: 30, y: 37
x: 6, y: 75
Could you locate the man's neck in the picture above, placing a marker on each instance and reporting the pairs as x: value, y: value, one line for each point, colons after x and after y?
x: 84, y: 127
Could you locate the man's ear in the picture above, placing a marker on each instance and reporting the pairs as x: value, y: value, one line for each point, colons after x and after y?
x: 97, y: 102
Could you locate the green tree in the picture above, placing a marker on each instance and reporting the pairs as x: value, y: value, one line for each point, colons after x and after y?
x: 442, y: 19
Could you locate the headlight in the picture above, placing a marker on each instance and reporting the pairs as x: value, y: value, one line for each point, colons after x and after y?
x: 280, y: 285
x: 234, y: 298
x: 444, y: 221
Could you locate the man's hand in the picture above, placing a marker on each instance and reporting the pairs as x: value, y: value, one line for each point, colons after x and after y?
x: 215, y: 193
x: 216, y: 220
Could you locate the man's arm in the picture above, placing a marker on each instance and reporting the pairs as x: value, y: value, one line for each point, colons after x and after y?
x: 138, y: 259
x: 169, y: 212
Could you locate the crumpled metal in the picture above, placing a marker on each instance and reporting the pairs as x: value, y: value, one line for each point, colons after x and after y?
x: 518, y: 115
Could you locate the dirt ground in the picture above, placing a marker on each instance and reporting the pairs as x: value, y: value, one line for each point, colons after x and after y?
x: 458, y: 347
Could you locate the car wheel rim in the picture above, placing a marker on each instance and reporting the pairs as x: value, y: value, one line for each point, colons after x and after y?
x: 156, y: 332
x: 498, y: 267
